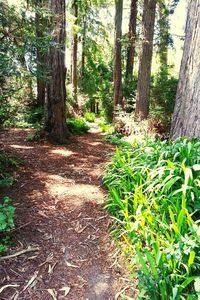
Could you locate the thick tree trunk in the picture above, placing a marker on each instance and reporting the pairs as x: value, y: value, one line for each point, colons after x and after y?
x: 117, y: 75
x: 75, y: 53
x: 164, y: 32
x: 144, y: 77
x: 41, y: 82
x: 56, y: 91
x: 186, y: 118
x: 131, y: 39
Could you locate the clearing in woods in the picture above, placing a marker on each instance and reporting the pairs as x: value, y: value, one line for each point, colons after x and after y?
x: 58, y: 199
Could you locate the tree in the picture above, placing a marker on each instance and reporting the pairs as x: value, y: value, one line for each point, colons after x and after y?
x: 144, y: 76
x: 186, y: 118
x: 131, y: 39
x: 75, y: 51
x: 41, y: 61
x: 164, y: 32
x: 117, y: 73
x: 56, y: 91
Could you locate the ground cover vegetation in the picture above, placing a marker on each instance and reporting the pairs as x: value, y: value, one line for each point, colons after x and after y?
x: 154, y: 197
x: 60, y: 72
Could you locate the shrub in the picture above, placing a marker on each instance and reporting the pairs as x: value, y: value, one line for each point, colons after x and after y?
x: 77, y: 125
x: 6, y: 222
x: 90, y: 117
x: 106, y: 127
x: 117, y: 139
x: 163, y: 94
x: 154, y: 197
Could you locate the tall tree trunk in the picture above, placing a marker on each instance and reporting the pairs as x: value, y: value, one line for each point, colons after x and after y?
x: 144, y: 77
x: 83, y: 49
x: 117, y: 74
x: 41, y: 82
x: 75, y: 53
x: 131, y: 39
x: 186, y: 118
x: 56, y: 90
x: 164, y: 32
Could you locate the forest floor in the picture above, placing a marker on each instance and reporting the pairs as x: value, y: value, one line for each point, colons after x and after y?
x: 60, y: 220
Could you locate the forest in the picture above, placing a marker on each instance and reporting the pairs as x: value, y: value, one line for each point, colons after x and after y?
x: 100, y: 149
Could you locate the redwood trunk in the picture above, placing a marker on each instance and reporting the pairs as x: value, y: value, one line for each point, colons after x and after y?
x: 186, y: 118
x: 75, y: 53
x: 56, y: 91
x: 118, y: 94
x: 144, y: 77
x: 131, y: 39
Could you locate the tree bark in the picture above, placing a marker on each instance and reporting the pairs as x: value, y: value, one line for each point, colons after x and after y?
x: 75, y: 53
x: 144, y: 76
x: 131, y: 39
x: 117, y: 75
x: 56, y: 91
x: 186, y: 117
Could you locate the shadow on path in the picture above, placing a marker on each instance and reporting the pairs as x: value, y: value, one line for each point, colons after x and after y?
x: 58, y: 199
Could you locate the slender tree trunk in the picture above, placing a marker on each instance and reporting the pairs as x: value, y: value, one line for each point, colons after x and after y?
x: 144, y: 77
x: 56, y: 91
x: 75, y: 53
x: 186, y: 118
x: 164, y: 32
x: 83, y: 49
x: 41, y: 82
x: 117, y: 76
x: 131, y: 39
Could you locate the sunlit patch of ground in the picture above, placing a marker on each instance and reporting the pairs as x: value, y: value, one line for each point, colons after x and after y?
x: 62, y: 152
x: 21, y: 147
x: 75, y: 193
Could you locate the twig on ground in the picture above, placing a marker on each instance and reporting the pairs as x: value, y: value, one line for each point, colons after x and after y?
x: 19, y: 253
x: 30, y: 281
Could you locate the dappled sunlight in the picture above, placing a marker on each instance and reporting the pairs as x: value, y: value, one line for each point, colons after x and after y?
x: 95, y: 143
x: 63, y: 152
x: 21, y: 147
x: 74, y: 193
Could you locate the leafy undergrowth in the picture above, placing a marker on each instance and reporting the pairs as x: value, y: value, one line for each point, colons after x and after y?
x: 154, y: 196
x: 117, y: 139
x: 6, y: 210
x: 90, y: 117
x: 77, y: 125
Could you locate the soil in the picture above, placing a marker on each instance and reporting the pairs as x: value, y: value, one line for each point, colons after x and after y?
x: 60, y: 219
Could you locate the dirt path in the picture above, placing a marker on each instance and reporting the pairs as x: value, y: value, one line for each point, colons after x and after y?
x: 59, y: 199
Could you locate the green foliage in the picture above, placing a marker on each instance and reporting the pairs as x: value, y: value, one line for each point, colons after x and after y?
x: 6, y: 210
x: 163, y: 93
x: 90, y: 117
x: 117, y: 139
x: 6, y: 164
x: 129, y: 92
x: 106, y: 127
x: 154, y: 197
x: 77, y: 125
x: 6, y: 222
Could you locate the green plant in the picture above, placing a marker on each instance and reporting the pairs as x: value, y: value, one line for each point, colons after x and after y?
x: 154, y: 196
x: 6, y: 222
x: 106, y: 127
x: 77, y: 125
x: 89, y: 117
x: 117, y: 139
x: 163, y: 94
